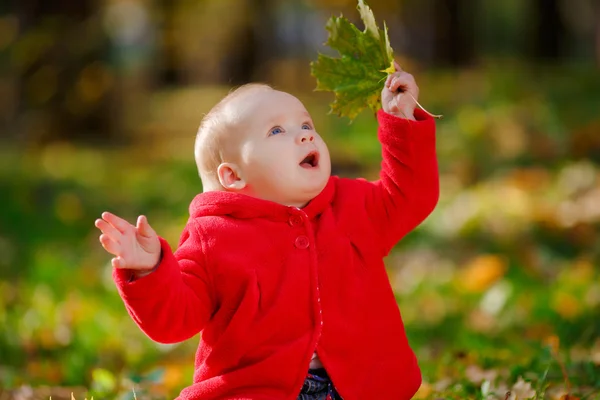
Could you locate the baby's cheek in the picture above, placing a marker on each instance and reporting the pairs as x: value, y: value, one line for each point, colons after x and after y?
x: 247, y: 151
x: 268, y: 163
x: 325, y: 152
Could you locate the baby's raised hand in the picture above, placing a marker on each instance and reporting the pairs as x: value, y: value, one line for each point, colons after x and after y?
x: 135, y: 247
x: 400, y: 93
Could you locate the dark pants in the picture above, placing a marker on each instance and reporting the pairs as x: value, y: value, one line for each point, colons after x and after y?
x: 318, y: 386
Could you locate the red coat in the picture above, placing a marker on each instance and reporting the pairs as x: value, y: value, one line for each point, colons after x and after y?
x: 266, y: 284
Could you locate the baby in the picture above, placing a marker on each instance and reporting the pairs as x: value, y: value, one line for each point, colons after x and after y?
x: 280, y: 265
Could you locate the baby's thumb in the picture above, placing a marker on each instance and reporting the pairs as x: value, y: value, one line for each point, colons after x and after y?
x: 144, y: 228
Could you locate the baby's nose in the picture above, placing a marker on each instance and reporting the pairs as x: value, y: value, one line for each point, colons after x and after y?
x: 306, y: 137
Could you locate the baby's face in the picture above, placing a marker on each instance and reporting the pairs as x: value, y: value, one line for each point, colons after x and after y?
x: 282, y: 158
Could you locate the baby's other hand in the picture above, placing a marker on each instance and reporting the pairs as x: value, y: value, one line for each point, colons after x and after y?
x: 135, y: 247
x: 400, y: 93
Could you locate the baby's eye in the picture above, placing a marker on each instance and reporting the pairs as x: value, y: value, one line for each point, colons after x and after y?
x: 276, y: 131
x: 306, y: 126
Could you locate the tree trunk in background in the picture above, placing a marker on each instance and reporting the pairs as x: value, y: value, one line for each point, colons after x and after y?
x: 51, y: 85
x: 214, y: 44
x: 248, y: 57
x: 454, y: 36
x: 438, y: 32
x: 9, y: 79
x: 265, y: 42
x: 241, y: 57
x: 597, y: 29
x: 225, y: 41
x: 418, y: 36
x: 549, y: 30
x: 168, y: 71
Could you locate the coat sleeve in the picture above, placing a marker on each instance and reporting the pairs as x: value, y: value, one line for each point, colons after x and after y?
x: 174, y: 302
x: 408, y: 188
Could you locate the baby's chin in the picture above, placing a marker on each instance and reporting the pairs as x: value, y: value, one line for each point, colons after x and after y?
x: 308, y: 192
x: 296, y: 191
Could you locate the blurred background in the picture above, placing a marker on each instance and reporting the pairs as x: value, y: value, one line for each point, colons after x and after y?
x: 100, y: 101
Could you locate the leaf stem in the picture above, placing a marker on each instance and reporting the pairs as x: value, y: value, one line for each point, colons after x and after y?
x: 422, y: 108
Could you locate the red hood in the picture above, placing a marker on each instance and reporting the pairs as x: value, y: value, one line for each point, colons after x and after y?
x: 242, y: 206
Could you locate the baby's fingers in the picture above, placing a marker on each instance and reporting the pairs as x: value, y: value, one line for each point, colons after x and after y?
x: 388, y: 80
x: 402, y: 82
x: 118, y: 262
x: 108, y: 230
x: 110, y: 245
x: 117, y: 222
x: 144, y: 227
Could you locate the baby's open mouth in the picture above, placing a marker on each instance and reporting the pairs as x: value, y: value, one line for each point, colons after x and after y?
x: 311, y: 160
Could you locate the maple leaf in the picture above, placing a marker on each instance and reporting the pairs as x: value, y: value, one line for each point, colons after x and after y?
x: 366, y: 58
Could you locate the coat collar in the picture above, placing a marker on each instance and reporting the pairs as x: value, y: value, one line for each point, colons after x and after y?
x: 243, y: 207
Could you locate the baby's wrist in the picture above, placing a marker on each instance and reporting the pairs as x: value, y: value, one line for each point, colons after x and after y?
x: 140, y: 273
x: 404, y: 115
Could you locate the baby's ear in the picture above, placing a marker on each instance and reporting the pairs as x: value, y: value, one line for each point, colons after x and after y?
x: 230, y: 177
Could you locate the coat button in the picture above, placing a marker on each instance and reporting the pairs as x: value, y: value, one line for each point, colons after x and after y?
x: 295, y: 220
x: 302, y: 242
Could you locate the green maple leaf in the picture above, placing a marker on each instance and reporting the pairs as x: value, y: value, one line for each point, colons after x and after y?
x: 358, y: 76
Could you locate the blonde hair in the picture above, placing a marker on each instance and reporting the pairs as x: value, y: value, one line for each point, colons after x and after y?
x: 211, y: 139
